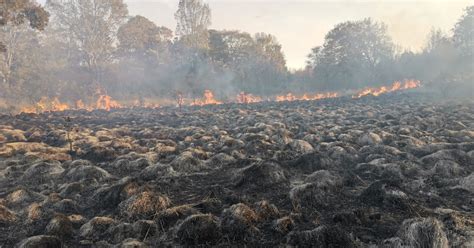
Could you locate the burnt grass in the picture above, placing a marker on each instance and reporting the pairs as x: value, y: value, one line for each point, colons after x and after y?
x: 388, y: 171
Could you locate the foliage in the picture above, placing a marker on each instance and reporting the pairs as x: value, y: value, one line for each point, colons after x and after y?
x: 352, y: 55
x: 193, y: 19
x: 92, y: 47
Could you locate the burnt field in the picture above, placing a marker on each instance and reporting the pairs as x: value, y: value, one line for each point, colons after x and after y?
x: 388, y: 171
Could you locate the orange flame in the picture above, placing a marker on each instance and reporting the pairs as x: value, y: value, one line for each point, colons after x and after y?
x: 45, y: 104
x: 106, y: 102
x: 306, y: 97
x: 246, y: 98
x: 51, y: 105
x: 407, y: 84
x: 208, y: 99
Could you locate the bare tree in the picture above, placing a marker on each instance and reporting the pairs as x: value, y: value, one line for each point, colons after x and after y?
x: 193, y: 18
x: 19, y: 63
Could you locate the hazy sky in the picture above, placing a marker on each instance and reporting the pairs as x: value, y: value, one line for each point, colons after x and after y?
x: 302, y: 24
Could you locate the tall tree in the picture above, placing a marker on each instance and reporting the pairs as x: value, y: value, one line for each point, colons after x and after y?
x: 464, y: 32
x: 141, y: 36
x: 144, y: 52
x: 20, y: 42
x: 463, y: 69
x: 437, y: 40
x: 193, y: 18
x: 229, y: 48
x: 17, y: 12
x: 352, y: 53
x: 90, y: 28
x: 257, y: 63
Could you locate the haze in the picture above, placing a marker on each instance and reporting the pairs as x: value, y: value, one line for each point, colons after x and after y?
x: 301, y: 25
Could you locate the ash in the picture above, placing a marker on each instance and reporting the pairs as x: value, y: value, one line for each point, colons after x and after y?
x: 388, y: 171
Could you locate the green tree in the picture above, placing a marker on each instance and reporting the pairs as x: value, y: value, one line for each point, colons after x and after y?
x: 141, y: 36
x: 464, y: 32
x: 257, y: 63
x: 88, y: 28
x: 17, y: 12
x: 352, y: 54
x: 229, y: 48
x: 143, y: 57
x: 271, y: 50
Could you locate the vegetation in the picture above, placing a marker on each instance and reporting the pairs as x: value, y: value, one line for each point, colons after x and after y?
x: 77, y: 49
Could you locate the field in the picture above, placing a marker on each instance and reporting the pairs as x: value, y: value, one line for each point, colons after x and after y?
x: 388, y: 171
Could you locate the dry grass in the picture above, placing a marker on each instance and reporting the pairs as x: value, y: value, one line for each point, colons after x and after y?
x: 168, y: 217
x: 6, y: 215
x: 422, y: 233
x: 145, y: 204
x: 284, y: 225
x: 35, y: 211
x: 265, y: 210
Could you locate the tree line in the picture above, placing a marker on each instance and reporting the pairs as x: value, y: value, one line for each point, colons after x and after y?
x: 358, y: 54
x: 76, y: 49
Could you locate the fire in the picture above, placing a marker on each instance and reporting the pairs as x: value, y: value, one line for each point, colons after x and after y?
x: 288, y: 97
x: 45, y: 104
x: 246, y: 98
x: 51, y: 105
x: 208, y: 99
x: 407, y: 84
x: 56, y: 105
x: 306, y: 97
x: 106, y: 102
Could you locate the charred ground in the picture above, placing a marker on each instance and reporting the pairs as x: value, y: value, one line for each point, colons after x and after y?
x: 385, y: 171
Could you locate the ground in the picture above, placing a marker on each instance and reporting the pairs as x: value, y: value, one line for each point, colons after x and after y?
x: 388, y: 171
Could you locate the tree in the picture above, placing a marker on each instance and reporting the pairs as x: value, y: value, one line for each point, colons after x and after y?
x: 16, y: 38
x: 463, y: 73
x: 257, y: 64
x: 143, y: 57
x: 464, y: 32
x: 141, y: 36
x: 437, y: 40
x: 229, y: 48
x: 351, y: 55
x: 193, y: 18
x: 89, y: 27
x: 24, y: 71
x: 312, y: 58
x: 17, y: 12
x: 270, y: 49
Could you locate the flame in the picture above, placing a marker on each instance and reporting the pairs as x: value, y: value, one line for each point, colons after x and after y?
x: 407, y: 84
x: 208, y: 99
x: 306, y: 97
x: 288, y: 97
x: 56, y: 105
x: 45, y: 104
x: 246, y: 98
x: 51, y: 105
x: 106, y: 102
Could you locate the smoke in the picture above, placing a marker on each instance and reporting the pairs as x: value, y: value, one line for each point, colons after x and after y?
x: 155, y: 66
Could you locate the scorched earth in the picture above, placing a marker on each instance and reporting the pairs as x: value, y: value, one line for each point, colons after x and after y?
x: 388, y: 171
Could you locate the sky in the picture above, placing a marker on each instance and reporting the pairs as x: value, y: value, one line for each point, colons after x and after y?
x: 300, y: 25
